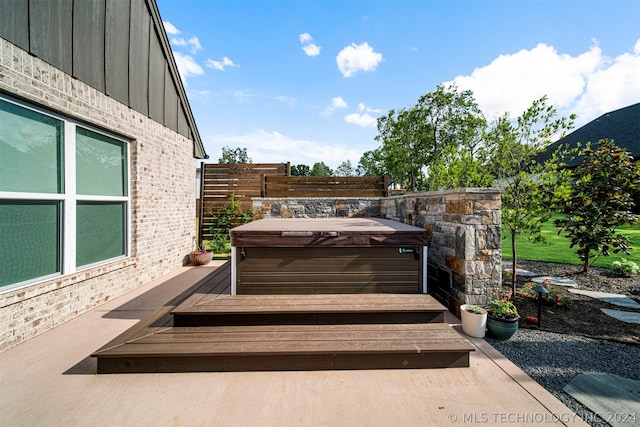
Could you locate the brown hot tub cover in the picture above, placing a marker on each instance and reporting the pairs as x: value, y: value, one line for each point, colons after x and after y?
x: 321, y: 232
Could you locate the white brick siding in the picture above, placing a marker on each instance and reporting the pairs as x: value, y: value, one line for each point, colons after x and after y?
x: 162, y: 203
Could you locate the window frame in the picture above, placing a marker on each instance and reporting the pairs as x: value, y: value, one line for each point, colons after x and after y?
x: 68, y: 198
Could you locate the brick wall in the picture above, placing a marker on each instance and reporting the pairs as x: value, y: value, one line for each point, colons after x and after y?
x: 162, y: 203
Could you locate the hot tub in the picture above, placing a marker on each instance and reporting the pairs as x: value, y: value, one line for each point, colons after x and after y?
x: 334, y: 255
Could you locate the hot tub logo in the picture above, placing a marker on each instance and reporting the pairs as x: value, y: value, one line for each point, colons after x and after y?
x: 406, y: 250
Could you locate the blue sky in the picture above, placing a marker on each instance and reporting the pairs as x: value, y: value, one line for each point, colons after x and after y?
x: 304, y: 81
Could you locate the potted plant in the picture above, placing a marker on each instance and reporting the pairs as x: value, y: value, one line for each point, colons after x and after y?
x: 502, y: 321
x: 201, y: 256
x: 474, y: 320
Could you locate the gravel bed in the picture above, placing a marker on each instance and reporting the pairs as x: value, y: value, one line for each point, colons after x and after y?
x: 553, y: 360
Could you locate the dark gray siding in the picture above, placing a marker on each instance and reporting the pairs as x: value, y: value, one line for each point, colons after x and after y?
x: 170, y: 102
x: 14, y: 22
x: 88, y: 42
x: 50, y: 34
x: 139, y: 58
x: 156, y: 80
x: 117, y: 50
x: 118, y: 47
x: 183, y: 124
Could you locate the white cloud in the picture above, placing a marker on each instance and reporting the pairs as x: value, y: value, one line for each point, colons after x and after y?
x: 336, y: 103
x: 178, y: 41
x: 243, y: 96
x: 187, y: 66
x: 311, y: 49
x: 170, y: 28
x: 275, y: 147
x: 222, y: 64
x: 362, y: 117
x: 588, y: 84
x: 194, y: 44
x: 305, y: 38
x: 287, y: 100
x: 613, y: 86
x: 356, y: 58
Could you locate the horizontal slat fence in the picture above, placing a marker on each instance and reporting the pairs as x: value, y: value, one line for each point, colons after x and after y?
x: 220, y: 184
x: 326, y: 186
x: 223, y: 184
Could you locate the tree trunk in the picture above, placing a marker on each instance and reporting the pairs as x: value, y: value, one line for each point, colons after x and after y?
x: 513, y: 265
x: 585, y: 265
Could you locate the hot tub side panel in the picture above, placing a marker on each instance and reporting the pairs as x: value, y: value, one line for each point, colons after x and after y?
x: 329, y: 270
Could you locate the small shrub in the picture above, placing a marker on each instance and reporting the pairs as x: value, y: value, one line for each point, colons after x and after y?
x: 507, y: 276
x: 503, y: 309
x: 624, y: 268
x: 556, y: 296
x: 474, y: 309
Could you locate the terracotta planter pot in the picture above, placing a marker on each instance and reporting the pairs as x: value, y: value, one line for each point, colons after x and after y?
x: 199, y: 258
x: 502, y: 329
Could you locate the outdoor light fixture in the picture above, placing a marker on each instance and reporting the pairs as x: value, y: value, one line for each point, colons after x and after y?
x: 540, y: 290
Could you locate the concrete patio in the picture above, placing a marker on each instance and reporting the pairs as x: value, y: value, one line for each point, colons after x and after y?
x: 50, y: 380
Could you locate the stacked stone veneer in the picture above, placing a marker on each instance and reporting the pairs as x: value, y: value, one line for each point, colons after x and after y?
x: 465, y: 250
x: 162, y: 203
x: 464, y: 225
x: 315, y: 207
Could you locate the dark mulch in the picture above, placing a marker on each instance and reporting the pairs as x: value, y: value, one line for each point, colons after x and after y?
x: 584, y: 316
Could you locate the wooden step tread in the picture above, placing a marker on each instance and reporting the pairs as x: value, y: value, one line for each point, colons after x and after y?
x: 314, y: 303
x: 310, y: 309
x: 292, y: 347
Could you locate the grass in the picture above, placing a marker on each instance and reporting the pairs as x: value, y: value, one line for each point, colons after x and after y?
x: 557, y: 248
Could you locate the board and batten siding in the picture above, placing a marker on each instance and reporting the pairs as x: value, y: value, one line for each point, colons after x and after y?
x: 115, y: 46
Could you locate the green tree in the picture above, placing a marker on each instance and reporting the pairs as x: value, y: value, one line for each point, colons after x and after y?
x: 233, y: 156
x: 372, y: 163
x: 300, y: 170
x: 413, y: 139
x: 458, y: 168
x: 345, y: 169
x: 599, y: 201
x: 320, y: 169
x: 513, y: 147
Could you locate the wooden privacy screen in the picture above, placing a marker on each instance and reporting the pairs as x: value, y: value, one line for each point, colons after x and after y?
x: 326, y: 186
x: 221, y: 184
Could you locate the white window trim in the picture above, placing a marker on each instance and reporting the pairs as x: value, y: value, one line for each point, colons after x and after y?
x: 69, y: 199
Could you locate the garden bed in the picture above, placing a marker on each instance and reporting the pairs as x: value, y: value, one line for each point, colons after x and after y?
x: 583, y: 317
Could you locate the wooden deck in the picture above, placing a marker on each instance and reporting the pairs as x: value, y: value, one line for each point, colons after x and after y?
x: 206, y: 329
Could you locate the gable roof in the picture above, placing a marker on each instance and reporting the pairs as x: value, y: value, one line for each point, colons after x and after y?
x: 119, y: 47
x: 622, y: 126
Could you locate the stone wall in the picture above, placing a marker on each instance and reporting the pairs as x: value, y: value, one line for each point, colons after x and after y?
x: 315, y: 207
x: 162, y: 203
x: 464, y: 226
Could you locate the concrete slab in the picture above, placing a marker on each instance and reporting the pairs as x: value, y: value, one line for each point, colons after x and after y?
x: 558, y: 281
x: 613, y: 398
x: 623, y: 316
x: 520, y: 272
x: 615, y: 299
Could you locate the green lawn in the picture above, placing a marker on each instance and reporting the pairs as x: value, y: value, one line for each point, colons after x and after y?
x: 557, y: 248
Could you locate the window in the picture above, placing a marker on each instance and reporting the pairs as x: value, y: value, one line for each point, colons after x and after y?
x: 64, y: 195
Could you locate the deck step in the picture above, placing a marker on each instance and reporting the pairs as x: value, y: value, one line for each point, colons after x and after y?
x: 320, y: 309
x: 289, y: 347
